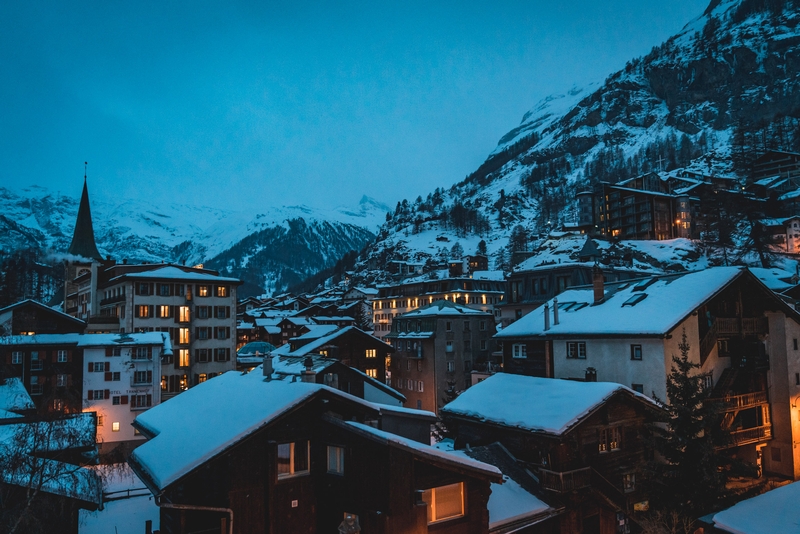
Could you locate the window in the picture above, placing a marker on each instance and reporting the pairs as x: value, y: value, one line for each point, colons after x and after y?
x: 794, y: 343
x: 444, y: 502
x: 202, y: 312
x: 62, y: 356
x: 482, y: 325
x: 519, y: 350
x: 451, y: 366
x: 636, y: 352
x: 99, y: 420
x: 115, y: 400
x: 610, y: 439
x: 484, y: 344
x: 141, y: 401
x: 36, y: 363
x: 372, y: 373
x: 293, y: 459
x: 449, y: 347
x: 202, y: 377
x: 142, y: 377
x: 143, y: 311
x: 448, y: 326
x: 409, y: 384
x: 61, y: 380
x: 797, y: 379
x: 629, y: 482
x: 222, y: 355
x: 221, y: 311
x: 164, y: 311
x: 576, y: 349
x: 335, y: 460
x: 141, y: 353
x: 466, y: 326
x: 202, y: 355
x: 37, y: 387
x: 115, y: 426
x: 115, y: 376
x: 16, y: 356
x: 638, y: 388
x: 202, y: 291
x: 201, y: 332
x: 222, y: 291
x: 183, y: 358
x: 183, y: 336
x: 371, y: 353
x: 183, y: 314
x: 163, y: 291
x: 420, y: 387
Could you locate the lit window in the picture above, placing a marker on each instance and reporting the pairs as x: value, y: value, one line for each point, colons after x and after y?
x: 372, y: 373
x: 183, y: 358
x: 444, y: 502
x: 371, y: 353
x: 183, y: 314
x: 293, y: 459
x: 202, y: 377
x: 451, y: 367
x: 115, y: 426
x: 183, y: 336
x: 610, y: 439
x: 519, y: 350
x: 61, y: 380
x: 335, y: 460
x: 144, y: 311
x: 202, y: 291
x: 163, y: 311
x: 222, y: 291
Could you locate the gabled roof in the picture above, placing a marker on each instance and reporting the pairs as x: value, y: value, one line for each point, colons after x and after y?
x: 443, y: 308
x: 773, y: 511
x: 31, y: 302
x: 652, y: 307
x: 544, y: 405
x: 318, y: 343
x: 172, y: 272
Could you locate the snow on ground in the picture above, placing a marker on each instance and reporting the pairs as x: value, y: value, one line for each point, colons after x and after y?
x: 121, y: 516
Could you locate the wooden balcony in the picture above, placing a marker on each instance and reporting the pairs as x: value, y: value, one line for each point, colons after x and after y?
x: 565, y: 481
x: 749, y: 436
x: 748, y: 326
x: 740, y: 402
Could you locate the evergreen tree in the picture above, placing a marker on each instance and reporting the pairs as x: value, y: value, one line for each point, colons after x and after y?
x: 691, y: 482
x: 457, y: 252
x: 482, y: 248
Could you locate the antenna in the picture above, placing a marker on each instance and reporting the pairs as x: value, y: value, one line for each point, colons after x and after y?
x: 85, y: 165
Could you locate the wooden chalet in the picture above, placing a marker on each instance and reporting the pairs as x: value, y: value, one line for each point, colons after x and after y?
x: 583, y: 440
x: 30, y: 317
x: 279, y: 456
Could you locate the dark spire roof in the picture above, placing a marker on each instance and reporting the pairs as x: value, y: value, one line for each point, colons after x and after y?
x: 589, y: 251
x: 83, y: 239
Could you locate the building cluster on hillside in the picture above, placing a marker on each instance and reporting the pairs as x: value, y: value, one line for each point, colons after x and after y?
x: 317, y: 412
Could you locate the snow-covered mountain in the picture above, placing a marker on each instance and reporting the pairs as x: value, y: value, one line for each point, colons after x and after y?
x: 269, y: 250
x: 712, y: 96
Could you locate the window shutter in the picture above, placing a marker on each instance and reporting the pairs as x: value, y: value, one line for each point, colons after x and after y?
x: 107, y: 393
x: 152, y: 288
x: 136, y: 311
x: 123, y: 399
x: 108, y: 377
x: 197, y: 332
x: 150, y: 376
x: 91, y: 367
x: 109, y: 351
x: 69, y: 380
x: 227, y: 355
x: 227, y: 332
x: 133, y: 401
x: 175, y: 315
x: 151, y: 311
x: 90, y: 395
x: 149, y: 400
x: 108, y: 366
x: 69, y: 355
x: 227, y: 312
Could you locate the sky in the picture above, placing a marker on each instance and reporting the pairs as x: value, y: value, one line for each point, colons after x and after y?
x: 248, y: 105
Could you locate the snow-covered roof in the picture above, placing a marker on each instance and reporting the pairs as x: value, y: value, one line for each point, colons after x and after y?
x: 774, y: 278
x: 105, y: 340
x: 236, y: 405
x: 510, y: 502
x: 773, y: 511
x: 316, y: 331
x: 548, y: 405
x: 295, y: 365
x: 777, y: 221
x: 652, y: 306
x: 497, y: 276
x: 443, y: 308
x: 14, y: 397
x: 311, y: 346
x: 40, y: 305
x: 424, y: 450
x: 41, y: 339
x: 790, y: 195
x: 365, y: 290
x: 767, y: 181
x: 174, y: 273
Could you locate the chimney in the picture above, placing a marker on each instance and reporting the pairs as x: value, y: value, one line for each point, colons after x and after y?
x: 267, y: 367
x: 591, y: 374
x: 546, y: 317
x: 555, y: 311
x: 308, y: 374
x: 598, y: 284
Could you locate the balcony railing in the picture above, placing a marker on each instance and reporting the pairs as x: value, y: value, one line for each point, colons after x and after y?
x: 140, y: 383
x: 748, y: 436
x: 737, y: 326
x: 564, y: 481
x: 740, y: 402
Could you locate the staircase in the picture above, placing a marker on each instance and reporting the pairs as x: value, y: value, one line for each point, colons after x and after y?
x: 725, y: 383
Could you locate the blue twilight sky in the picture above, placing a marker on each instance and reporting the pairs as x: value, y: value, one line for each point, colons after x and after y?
x: 259, y: 103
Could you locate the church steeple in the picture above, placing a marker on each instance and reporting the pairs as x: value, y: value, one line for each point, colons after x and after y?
x: 83, y: 243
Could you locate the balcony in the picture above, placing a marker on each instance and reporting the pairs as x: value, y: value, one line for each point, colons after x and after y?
x: 112, y: 300
x: 739, y: 402
x: 140, y: 383
x: 749, y: 436
x: 745, y: 326
x: 565, y: 481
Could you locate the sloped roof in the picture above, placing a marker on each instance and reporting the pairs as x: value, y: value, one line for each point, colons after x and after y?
x: 171, y: 272
x: 628, y: 308
x: 547, y: 405
x: 773, y: 511
x: 31, y: 302
x: 83, y: 243
x: 443, y: 308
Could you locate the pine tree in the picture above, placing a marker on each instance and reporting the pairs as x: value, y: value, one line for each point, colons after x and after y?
x: 690, y: 483
x: 482, y: 248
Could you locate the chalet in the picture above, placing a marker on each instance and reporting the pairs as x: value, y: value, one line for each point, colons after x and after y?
x: 776, y: 163
x: 436, y: 349
x: 773, y: 511
x: 278, y: 456
x: 359, y: 293
x: 741, y: 334
x: 351, y: 346
x: 583, y: 440
x: 44, y: 458
x: 783, y: 233
x: 30, y: 317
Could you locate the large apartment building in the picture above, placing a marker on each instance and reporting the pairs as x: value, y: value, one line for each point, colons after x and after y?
x: 195, y: 306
